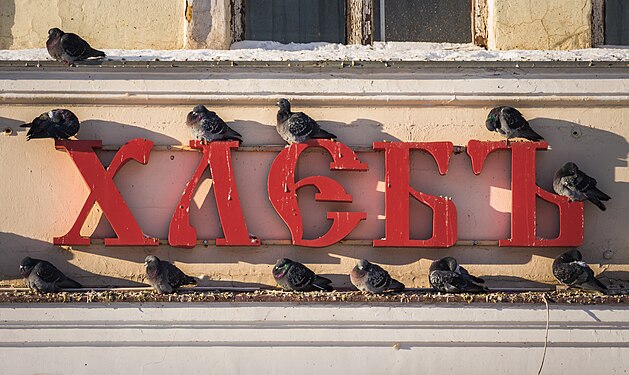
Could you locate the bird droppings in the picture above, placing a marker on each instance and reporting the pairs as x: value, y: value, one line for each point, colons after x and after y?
x: 276, y: 296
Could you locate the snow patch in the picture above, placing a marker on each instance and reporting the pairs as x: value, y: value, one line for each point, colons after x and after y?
x: 379, y: 51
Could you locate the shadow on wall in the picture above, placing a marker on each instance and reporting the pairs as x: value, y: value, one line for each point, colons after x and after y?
x: 16, y: 247
x: 9, y: 123
x: 600, y: 154
x: 7, y: 20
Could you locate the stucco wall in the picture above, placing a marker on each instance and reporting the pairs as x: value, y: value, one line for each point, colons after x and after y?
x: 137, y: 24
x: 41, y: 191
x: 539, y: 24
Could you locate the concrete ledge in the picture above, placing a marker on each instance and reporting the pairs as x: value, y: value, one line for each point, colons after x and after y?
x: 238, y: 338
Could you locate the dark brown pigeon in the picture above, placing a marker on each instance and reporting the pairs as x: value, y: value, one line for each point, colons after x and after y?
x: 569, y: 269
x: 369, y: 277
x: 207, y: 126
x: 165, y: 277
x: 41, y: 276
x: 571, y: 182
x: 509, y: 122
x: 69, y: 47
x: 297, y: 127
x: 297, y: 277
x: 446, y: 275
x: 56, y: 124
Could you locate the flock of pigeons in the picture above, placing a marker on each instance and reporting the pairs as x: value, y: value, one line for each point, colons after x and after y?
x: 446, y: 275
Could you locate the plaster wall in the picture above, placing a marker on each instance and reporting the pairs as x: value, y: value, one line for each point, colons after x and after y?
x: 539, y: 24
x: 137, y: 24
x: 582, y: 115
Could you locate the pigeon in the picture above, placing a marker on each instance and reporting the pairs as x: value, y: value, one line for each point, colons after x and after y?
x: 368, y: 277
x: 570, y: 182
x: 297, y: 277
x: 297, y: 127
x: 42, y: 277
x: 569, y: 269
x: 68, y: 47
x: 207, y: 126
x: 447, y: 276
x: 509, y: 122
x: 165, y: 277
x: 56, y: 124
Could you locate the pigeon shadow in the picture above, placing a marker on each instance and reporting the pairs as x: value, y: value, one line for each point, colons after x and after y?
x: 15, y: 247
x: 507, y: 282
x: 10, y: 127
x: 111, y: 132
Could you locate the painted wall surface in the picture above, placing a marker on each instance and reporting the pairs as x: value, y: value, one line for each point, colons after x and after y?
x: 539, y: 24
x: 137, y: 24
x: 582, y: 114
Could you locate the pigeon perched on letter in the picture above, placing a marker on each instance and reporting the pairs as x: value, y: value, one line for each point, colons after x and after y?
x: 165, y: 277
x: 297, y: 277
x: 69, y: 47
x: 56, y: 124
x: 570, y: 270
x: 369, y: 277
x: 297, y: 127
x: 446, y: 275
x: 509, y: 122
x: 571, y: 182
x: 205, y: 125
x: 41, y: 276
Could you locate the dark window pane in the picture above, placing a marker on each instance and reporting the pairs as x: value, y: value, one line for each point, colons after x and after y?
x: 299, y: 21
x: 617, y: 22
x: 424, y: 21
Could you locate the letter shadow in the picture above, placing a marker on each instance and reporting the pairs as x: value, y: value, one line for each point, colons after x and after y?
x: 15, y: 247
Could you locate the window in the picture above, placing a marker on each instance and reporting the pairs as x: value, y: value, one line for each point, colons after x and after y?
x: 299, y: 21
x: 617, y: 22
x: 423, y: 21
x: 610, y: 22
x: 359, y: 21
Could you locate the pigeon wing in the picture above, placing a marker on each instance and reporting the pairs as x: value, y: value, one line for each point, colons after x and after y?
x: 74, y: 45
x: 378, y: 278
x: 300, y: 277
x: 176, y: 277
x: 301, y: 125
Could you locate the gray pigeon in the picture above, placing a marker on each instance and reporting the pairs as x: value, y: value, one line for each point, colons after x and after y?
x: 69, y: 47
x: 570, y: 270
x: 570, y: 182
x: 207, y: 126
x: 368, y: 277
x: 165, y: 277
x: 56, y: 124
x: 509, y: 122
x: 297, y: 127
x: 297, y: 277
x: 41, y: 276
x: 447, y: 276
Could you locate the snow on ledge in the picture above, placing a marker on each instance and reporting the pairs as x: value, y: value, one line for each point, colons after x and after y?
x: 379, y: 51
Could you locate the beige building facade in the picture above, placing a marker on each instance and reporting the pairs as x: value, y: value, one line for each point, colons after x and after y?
x: 215, y: 24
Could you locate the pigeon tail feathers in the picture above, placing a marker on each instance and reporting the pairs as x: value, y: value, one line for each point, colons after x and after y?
x: 597, y: 202
x: 396, y: 286
x: 530, y: 134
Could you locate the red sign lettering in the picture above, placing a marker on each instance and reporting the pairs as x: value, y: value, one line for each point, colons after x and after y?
x: 104, y: 191
x: 283, y: 191
x: 217, y: 156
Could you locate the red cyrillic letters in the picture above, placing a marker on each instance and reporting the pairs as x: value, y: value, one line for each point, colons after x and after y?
x: 104, y: 191
x: 524, y: 189
x: 218, y: 156
x: 283, y: 191
x: 398, y: 190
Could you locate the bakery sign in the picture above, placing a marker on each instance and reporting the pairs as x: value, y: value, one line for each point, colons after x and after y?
x: 283, y: 188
